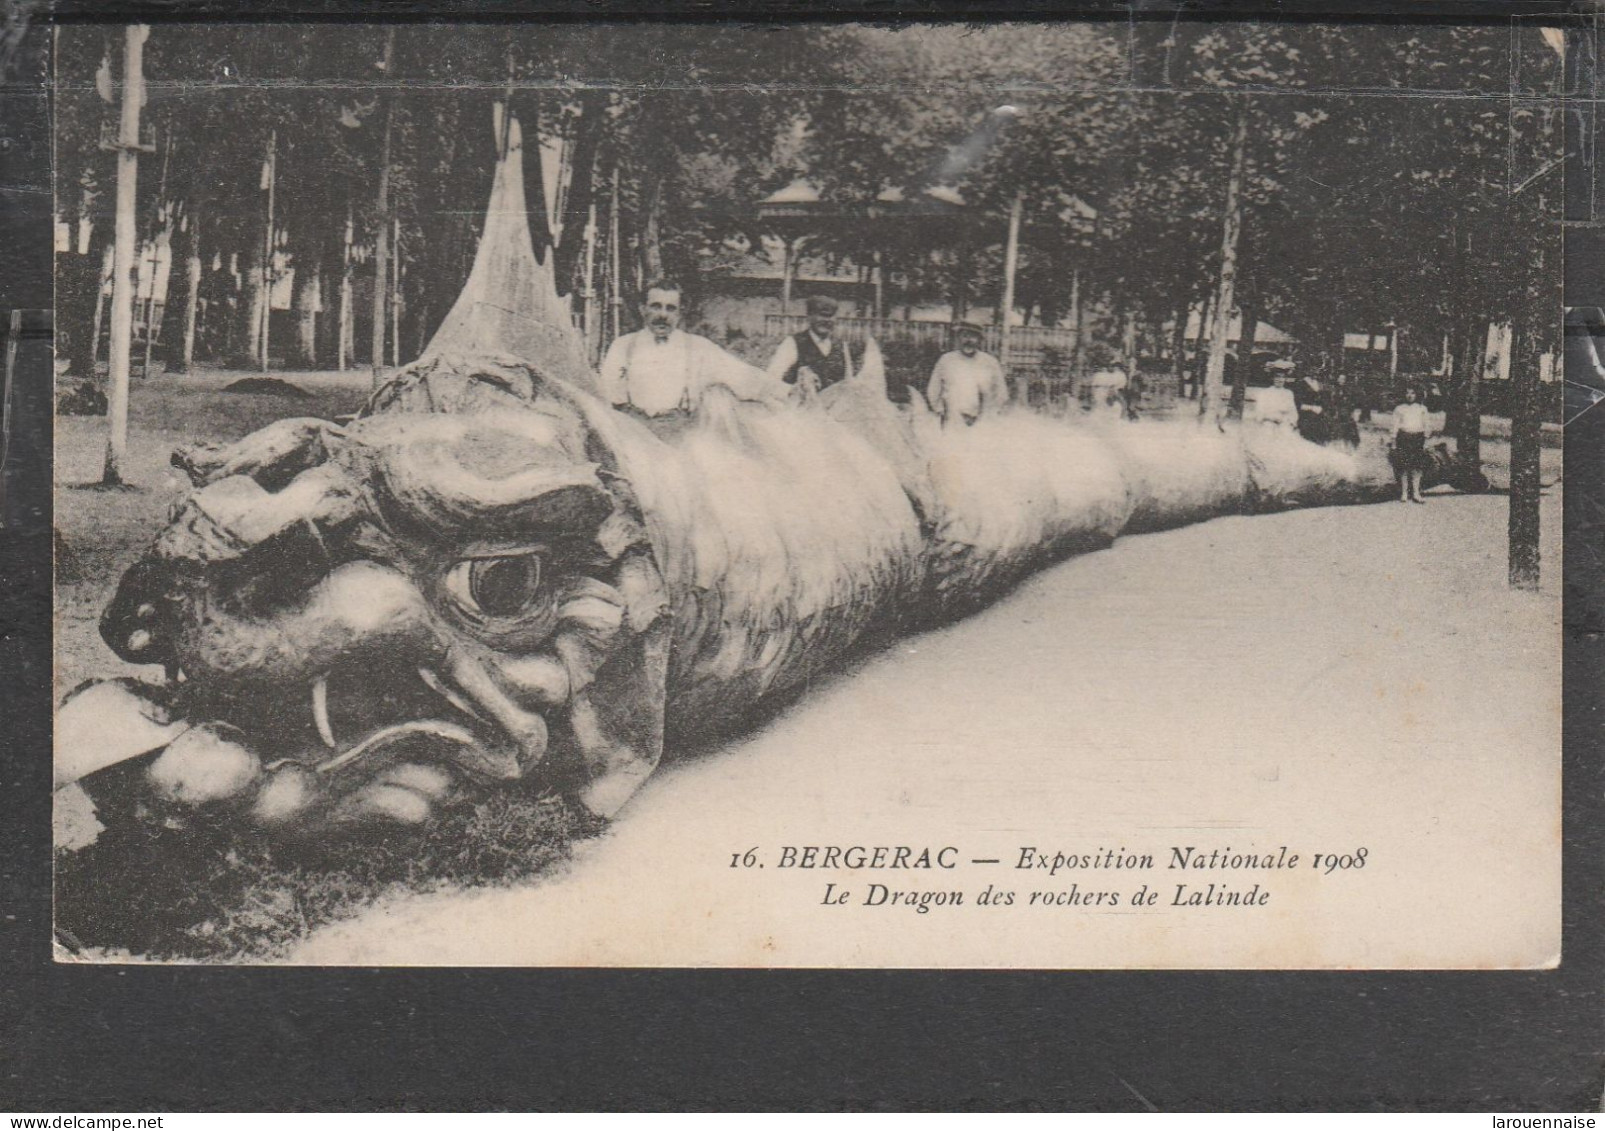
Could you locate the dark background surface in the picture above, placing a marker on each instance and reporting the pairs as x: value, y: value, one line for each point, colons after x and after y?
x: 123, y: 11
x: 150, y: 1038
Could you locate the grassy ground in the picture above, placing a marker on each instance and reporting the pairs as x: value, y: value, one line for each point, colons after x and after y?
x: 214, y: 894
x: 105, y: 530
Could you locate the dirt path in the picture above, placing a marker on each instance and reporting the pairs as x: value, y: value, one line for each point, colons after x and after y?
x: 1326, y: 680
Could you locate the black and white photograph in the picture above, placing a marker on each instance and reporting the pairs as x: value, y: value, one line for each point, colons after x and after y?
x: 1075, y: 495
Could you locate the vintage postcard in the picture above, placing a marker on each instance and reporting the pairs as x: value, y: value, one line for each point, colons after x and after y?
x: 1074, y: 495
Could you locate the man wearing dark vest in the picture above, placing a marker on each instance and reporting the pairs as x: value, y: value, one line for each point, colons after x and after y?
x: 815, y: 359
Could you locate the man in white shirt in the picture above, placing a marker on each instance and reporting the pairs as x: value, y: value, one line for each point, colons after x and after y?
x: 967, y: 381
x: 661, y: 369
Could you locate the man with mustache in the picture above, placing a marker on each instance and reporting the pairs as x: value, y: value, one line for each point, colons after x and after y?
x: 662, y: 370
x: 967, y: 381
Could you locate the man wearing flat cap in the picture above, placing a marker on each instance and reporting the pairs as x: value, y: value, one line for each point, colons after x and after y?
x: 815, y: 359
x: 966, y: 382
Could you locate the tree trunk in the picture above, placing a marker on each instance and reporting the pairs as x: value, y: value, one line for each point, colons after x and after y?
x: 1178, y: 344
x: 615, y: 262
x: 346, y: 340
x: 79, y: 302
x: 787, y: 264
x: 1128, y: 344
x: 348, y: 327
x: 1454, y: 345
x: 395, y: 291
x: 1454, y: 420
x: 1469, y: 441
x: 223, y: 312
x: 1011, y: 262
x: 1248, y: 312
x: 122, y: 310
x: 580, y: 199
x: 103, y: 274
x: 1245, y: 356
x: 540, y: 224
x: 7, y: 413
x: 1336, y: 338
x: 652, y: 234
x: 163, y: 224
x: 1231, y: 228
x: 269, y: 249
x: 436, y: 265
x: 1206, y: 316
x: 1528, y: 343
x: 961, y: 281
x: 1473, y: 344
x: 382, y: 221
x: 1472, y: 331
x: 1078, y: 322
x: 182, y: 359
x: 308, y: 296
x: 153, y: 321
x: 109, y: 261
x: 328, y: 337
x: 248, y: 314
x: 593, y: 319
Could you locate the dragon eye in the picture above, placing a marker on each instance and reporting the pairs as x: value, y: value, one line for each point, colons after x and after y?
x: 496, y: 587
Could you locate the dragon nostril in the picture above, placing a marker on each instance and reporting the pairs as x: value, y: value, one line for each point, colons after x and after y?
x: 136, y: 623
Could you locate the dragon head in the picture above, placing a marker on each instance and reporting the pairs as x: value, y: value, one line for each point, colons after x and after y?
x: 355, y: 622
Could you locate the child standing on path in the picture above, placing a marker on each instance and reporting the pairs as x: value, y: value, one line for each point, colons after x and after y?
x: 1410, y: 445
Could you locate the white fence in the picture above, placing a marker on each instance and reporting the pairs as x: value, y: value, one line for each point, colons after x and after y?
x: 1030, y: 347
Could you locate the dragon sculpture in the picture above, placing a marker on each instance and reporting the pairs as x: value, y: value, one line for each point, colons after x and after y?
x: 491, y: 576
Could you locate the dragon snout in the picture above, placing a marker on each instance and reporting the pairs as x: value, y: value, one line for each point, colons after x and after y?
x: 138, y: 625
x: 354, y: 703
x: 224, y: 634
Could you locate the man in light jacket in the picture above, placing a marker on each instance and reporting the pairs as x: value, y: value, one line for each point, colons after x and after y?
x: 966, y: 382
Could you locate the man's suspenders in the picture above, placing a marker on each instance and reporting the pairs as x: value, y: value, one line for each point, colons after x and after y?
x: 629, y: 357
